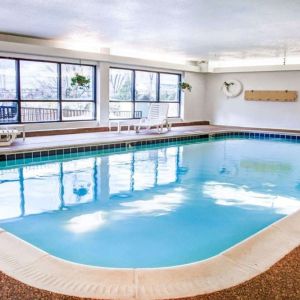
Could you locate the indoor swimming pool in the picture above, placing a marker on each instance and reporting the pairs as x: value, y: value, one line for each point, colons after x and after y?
x: 151, y: 206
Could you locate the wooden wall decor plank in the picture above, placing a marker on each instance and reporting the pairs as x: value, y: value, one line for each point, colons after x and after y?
x: 279, y: 96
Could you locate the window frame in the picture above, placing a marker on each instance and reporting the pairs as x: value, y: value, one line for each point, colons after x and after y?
x: 59, y: 100
x: 134, y: 101
x: 16, y: 100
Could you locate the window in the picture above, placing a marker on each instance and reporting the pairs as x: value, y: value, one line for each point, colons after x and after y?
x: 141, y: 109
x: 120, y: 84
x: 120, y: 110
x: 132, y: 91
x: 36, y: 111
x: 78, y: 92
x: 39, y: 80
x: 71, y: 90
x: 8, y: 112
x: 37, y: 91
x: 8, y: 79
x: 9, y: 108
x: 77, y: 111
x: 39, y: 86
x: 121, y: 94
x: 169, y: 90
x: 145, y: 86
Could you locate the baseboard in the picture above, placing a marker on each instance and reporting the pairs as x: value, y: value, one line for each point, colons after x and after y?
x: 98, y: 129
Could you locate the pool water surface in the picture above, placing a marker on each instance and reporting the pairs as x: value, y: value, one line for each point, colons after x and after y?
x: 156, y: 206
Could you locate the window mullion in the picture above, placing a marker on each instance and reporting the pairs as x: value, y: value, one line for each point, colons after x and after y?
x: 179, y: 96
x: 133, y: 93
x: 59, y: 83
x: 18, y: 82
x: 95, y: 92
x: 158, y: 88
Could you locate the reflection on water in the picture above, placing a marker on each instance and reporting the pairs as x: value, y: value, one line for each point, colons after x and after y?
x: 35, y: 189
x: 87, y: 222
x: 157, y: 206
x: 266, y: 166
x: 233, y: 195
x: 60, y: 185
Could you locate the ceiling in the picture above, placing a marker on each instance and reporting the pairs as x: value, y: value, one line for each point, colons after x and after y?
x: 183, y: 29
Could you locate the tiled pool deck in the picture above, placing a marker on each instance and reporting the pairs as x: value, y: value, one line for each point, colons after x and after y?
x: 234, y: 266
x: 34, y: 147
x: 97, y: 138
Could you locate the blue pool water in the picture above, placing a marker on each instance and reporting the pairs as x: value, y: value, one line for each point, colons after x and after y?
x: 155, y: 207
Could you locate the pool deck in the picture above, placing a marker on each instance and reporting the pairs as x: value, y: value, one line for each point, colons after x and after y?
x: 234, y: 266
x: 84, y: 139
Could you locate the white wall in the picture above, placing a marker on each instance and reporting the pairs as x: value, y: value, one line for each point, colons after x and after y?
x: 103, y: 94
x: 237, y: 112
x: 193, y: 103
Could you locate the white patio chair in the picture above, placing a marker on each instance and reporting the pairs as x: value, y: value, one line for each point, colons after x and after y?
x: 157, y: 118
x: 7, y: 136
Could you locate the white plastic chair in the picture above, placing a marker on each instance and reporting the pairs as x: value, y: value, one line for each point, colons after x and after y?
x: 7, y: 136
x: 157, y: 117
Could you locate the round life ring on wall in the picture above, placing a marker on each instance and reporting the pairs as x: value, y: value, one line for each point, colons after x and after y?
x: 232, y: 88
